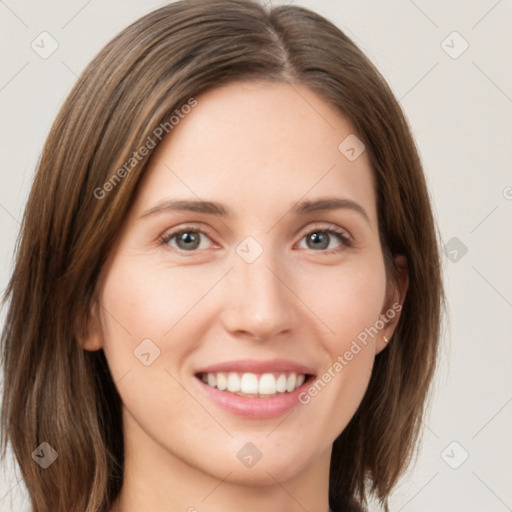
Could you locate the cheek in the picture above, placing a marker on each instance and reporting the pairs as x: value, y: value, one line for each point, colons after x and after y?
x: 144, y: 300
x: 133, y: 312
x: 348, y: 299
x: 148, y: 300
x: 145, y: 312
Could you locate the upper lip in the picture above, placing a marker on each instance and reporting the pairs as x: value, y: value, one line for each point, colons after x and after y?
x: 253, y: 366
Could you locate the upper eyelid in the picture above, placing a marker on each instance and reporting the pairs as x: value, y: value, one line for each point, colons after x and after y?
x: 325, y: 226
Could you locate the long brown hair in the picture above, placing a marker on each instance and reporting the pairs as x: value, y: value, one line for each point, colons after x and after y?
x: 59, y: 393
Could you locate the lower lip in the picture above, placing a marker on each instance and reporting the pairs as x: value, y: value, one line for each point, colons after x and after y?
x: 256, y: 408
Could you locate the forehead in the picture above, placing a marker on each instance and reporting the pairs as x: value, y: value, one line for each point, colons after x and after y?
x: 254, y: 144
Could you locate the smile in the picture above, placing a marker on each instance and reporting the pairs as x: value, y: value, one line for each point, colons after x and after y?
x: 255, y: 389
x: 254, y: 385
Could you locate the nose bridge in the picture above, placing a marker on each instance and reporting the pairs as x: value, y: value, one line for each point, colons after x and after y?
x: 259, y: 302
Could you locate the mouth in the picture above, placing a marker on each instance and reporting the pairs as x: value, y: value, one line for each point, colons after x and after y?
x: 254, y: 385
x: 255, y: 389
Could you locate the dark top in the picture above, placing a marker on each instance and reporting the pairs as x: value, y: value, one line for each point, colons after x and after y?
x: 339, y: 502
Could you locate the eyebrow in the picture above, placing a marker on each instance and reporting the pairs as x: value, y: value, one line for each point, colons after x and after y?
x: 214, y: 208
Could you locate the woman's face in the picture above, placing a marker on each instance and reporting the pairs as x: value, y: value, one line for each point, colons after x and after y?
x: 256, y: 283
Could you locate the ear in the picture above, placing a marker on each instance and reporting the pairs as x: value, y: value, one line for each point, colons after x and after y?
x: 390, y: 314
x: 93, y: 338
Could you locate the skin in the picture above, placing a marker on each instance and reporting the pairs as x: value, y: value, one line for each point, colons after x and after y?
x: 258, y: 148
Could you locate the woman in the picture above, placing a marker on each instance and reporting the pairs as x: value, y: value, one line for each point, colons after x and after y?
x: 227, y: 291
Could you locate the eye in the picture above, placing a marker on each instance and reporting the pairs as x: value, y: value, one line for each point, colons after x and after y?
x: 191, y: 238
x: 320, y: 239
x: 186, y: 239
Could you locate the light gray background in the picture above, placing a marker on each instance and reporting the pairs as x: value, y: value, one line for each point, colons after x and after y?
x: 460, y: 112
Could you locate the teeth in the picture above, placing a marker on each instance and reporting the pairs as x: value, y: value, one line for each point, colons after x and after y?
x: 222, y: 382
x: 290, y: 384
x: 211, y: 380
x: 249, y: 384
x: 254, y: 384
x: 233, y: 382
x: 268, y: 384
x: 281, y: 383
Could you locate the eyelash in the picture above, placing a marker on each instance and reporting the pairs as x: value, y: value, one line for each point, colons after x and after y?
x: 346, y: 241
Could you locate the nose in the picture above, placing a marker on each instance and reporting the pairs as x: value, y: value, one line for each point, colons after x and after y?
x: 260, y: 304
